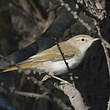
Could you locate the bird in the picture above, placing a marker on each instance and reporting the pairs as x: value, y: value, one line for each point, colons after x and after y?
x: 51, y: 60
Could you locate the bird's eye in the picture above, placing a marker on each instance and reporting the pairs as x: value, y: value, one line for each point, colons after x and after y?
x: 82, y: 39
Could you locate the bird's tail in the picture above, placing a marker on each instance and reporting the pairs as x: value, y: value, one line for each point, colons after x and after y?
x: 11, y: 69
x: 21, y: 65
x: 24, y: 65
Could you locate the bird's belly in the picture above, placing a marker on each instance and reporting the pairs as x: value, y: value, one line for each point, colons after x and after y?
x: 60, y: 67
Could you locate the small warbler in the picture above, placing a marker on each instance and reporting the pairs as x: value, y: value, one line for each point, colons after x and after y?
x: 50, y: 60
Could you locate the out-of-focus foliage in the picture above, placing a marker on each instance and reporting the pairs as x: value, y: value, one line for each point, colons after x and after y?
x: 7, y: 43
x: 4, y: 4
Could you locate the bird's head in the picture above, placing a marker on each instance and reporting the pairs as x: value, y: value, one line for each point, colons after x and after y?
x: 82, y: 42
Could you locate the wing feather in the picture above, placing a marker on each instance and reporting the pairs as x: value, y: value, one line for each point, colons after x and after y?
x: 53, y: 54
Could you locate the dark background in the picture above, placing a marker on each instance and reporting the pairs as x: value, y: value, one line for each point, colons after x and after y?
x: 28, y: 27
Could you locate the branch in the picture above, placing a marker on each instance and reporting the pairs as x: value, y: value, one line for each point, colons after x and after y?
x: 32, y: 95
x: 74, y: 96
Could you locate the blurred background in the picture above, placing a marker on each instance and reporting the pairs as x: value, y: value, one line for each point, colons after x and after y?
x: 21, y: 23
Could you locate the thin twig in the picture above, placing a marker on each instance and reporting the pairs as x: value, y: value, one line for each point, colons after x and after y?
x: 55, y: 77
x: 75, y: 14
x: 38, y: 14
x: 104, y: 47
x: 32, y: 95
x: 62, y: 54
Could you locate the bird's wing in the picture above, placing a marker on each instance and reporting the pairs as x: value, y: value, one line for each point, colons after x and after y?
x: 53, y: 54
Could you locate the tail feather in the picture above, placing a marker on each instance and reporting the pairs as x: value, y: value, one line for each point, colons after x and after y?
x: 24, y: 65
x: 10, y: 69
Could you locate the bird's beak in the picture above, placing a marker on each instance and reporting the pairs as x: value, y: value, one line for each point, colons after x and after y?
x: 95, y: 39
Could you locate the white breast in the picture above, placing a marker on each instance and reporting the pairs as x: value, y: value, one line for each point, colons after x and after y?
x: 60, y: 67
